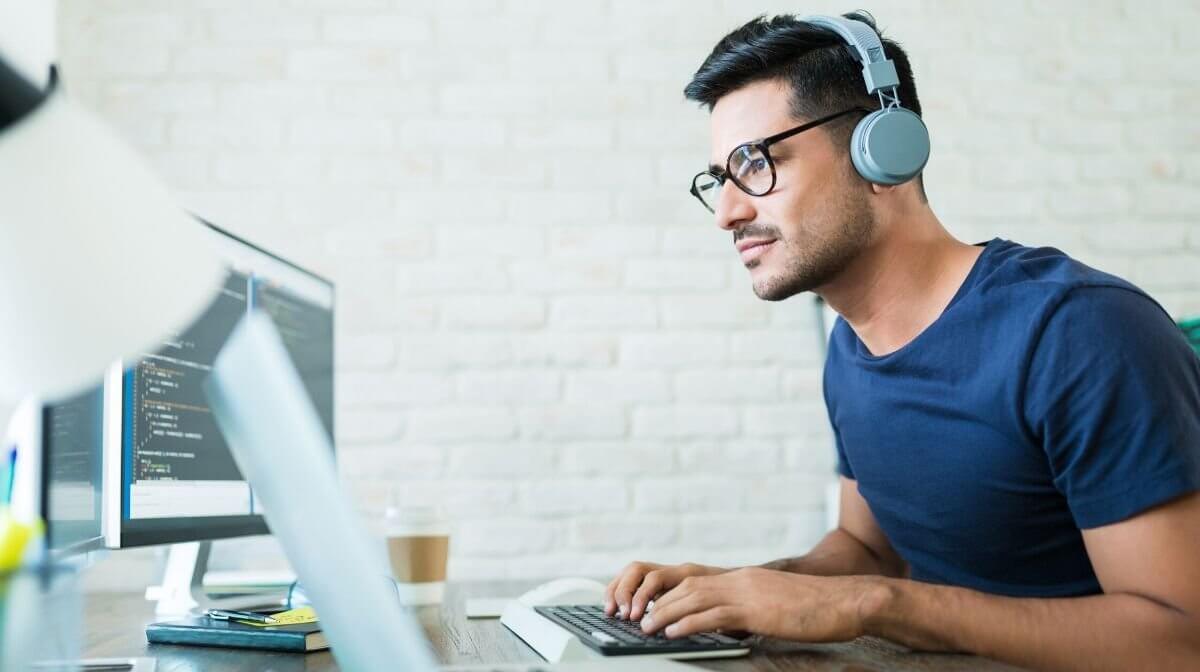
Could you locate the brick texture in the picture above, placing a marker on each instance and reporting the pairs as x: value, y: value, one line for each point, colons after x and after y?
x: 536, y: 324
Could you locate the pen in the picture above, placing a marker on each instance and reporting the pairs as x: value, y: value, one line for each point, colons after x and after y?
x: 12, y: 474
x: 227, y: 614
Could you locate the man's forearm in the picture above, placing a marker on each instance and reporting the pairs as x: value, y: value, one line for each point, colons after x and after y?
x: 839, y: 553
x: 1115, y: 631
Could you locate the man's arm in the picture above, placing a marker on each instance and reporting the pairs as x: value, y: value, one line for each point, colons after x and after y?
x: 857, y: 546
x: 1149, y: 614
x: 1149, y: 567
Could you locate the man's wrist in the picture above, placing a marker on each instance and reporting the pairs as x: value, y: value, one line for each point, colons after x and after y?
x: 797, y: 565
x: 899, y: 610
x: 878, y: 601
x: 695, y: 569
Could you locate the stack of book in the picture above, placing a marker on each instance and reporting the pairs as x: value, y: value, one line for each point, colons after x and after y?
x: 300, y: 636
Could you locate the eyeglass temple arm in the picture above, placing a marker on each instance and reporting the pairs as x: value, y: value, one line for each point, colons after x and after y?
x: 812, y: 124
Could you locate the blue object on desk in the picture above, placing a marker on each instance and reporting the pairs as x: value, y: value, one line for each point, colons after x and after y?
x: 12, y: 474
x: 204, y: 631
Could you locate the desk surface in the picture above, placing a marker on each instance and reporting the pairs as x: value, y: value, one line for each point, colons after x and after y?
x: 115, y: 625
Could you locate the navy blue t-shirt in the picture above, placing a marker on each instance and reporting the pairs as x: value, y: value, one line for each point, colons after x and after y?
x: 1047, y: 398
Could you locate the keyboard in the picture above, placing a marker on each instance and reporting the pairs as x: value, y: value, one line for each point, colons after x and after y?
x: 598, y: 665
x: 611, y: 636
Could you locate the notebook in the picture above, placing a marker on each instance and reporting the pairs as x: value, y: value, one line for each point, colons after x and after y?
x: 204, y: 631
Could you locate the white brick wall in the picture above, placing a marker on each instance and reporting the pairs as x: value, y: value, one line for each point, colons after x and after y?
x: 536, y: 323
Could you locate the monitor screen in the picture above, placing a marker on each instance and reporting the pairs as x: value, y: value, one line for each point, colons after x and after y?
x: 178, y: 478
x: 72, y: 443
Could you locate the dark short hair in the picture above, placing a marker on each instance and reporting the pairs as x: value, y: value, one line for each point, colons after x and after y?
x: 822, y: 70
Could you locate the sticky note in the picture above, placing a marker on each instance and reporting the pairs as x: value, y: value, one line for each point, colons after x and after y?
x: 14, y: 536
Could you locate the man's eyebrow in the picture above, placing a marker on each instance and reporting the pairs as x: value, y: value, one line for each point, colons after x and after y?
x: 714, y: 168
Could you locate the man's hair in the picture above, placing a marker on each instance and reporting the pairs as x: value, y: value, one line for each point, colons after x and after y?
x: 823, y: 71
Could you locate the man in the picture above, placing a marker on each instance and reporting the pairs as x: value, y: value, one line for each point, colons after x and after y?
x: 1018, y: 435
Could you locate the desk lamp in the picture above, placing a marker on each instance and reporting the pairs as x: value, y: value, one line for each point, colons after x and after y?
x: 74, y: 203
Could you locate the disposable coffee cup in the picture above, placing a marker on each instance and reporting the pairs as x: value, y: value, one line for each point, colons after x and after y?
x: 418, y: 548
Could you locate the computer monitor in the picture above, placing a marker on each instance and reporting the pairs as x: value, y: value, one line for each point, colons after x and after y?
x: 169, y: 474
x: 58, y: 447
x: 72, y: 444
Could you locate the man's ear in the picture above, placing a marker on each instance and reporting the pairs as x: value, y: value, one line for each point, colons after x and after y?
x: 882, y: 188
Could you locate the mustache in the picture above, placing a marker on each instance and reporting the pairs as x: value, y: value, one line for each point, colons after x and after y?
x: 756, y: 231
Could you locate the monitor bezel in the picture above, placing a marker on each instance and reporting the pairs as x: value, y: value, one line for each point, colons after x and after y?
x: 117, y: 533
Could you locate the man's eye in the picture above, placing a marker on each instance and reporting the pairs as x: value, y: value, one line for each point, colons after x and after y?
x: 752, y: 166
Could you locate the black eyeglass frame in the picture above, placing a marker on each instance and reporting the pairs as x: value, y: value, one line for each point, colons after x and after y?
x: 762, y: 145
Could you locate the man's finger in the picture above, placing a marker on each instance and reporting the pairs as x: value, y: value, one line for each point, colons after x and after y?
x: 679, y: 590
x: 652, y: 584
x: 627, y: 584
x: 610, y: 603
x: 685, y: 603
x: 717, y: 618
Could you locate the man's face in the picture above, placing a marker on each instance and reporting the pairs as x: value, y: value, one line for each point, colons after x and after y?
x: 814, y: 222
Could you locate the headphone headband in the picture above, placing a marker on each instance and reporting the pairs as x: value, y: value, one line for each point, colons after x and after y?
x: 879, y: 72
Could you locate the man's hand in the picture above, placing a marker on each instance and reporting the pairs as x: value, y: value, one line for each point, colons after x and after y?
x: 637, y: 584
x: 768, y: 602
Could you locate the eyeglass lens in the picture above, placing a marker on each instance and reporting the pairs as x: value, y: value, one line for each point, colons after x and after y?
x: 708, y: 189
x: 749, y: 167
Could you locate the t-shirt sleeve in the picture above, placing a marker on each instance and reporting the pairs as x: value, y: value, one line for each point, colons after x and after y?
x: 843, y: 465
x: 1113, y: 394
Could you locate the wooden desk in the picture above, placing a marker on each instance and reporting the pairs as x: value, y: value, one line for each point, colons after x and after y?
x: 115, y: 626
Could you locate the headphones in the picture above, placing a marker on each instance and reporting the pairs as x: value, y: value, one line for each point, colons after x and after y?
x: 890, y: 145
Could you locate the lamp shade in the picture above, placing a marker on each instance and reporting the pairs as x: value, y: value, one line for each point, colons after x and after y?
x: 96, y: 259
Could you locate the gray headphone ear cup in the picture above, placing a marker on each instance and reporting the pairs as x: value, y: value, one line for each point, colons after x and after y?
x: 890, y: 146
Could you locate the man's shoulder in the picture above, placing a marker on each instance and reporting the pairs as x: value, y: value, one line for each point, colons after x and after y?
x: 1018, y: 298
x: 1039, y: 286
x: 1042, y: 271
x: 1108, y: 327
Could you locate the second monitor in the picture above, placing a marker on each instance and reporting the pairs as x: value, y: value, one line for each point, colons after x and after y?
x: 169, y: 475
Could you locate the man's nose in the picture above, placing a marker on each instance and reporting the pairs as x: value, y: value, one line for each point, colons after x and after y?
x: 734, y: 208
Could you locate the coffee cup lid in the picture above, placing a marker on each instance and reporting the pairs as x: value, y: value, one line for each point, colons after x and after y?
x: 415, y: 513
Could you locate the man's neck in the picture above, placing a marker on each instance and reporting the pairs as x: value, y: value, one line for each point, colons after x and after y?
x: 901, y: 284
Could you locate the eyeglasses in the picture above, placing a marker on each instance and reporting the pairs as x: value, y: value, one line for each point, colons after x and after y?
x: 749, y: 165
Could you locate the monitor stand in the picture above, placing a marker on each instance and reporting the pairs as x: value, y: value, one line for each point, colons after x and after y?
x: 182, y: 590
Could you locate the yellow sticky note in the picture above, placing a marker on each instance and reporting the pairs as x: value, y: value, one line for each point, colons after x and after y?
x: 14, y: 537
x: 293, y: 617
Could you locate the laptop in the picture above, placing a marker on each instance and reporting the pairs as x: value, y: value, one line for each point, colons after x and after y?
x: 279, y: 444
